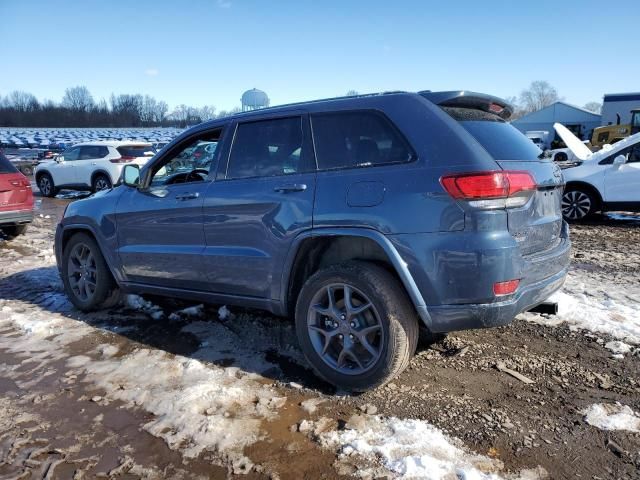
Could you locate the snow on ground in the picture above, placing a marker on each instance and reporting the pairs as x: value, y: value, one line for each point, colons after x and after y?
x: 609, y: 309
x: 413, y: 449
x: 612, y: 417
x: 196, y: 405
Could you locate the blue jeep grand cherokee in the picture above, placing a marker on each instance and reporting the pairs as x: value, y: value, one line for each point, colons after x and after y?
x: 365, y: 218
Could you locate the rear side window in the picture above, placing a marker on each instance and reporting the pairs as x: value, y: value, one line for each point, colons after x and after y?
x: 357, y: 139
x: 93, y: 151
x: 5, y: 165
x: 135, y: 150
x: 500, y: 139
x: 268, y: 148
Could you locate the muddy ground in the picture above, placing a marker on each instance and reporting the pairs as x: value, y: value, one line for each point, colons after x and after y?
x: 55, y: 422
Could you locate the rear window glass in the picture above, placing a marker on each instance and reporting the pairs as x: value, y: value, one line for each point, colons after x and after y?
x: 135, y: 150
x: 357, y: 139
x: 500, y: 139
x: 6, y: 166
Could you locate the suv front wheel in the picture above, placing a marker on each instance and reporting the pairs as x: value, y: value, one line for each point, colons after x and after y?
x: 356, y: 325
x: 86, y: 276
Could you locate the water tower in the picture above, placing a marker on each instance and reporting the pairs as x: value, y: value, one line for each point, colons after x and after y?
x: 254, y: 99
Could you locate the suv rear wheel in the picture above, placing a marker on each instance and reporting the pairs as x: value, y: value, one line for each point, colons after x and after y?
x: 14, y: 230
x: 356, y: 325
x: 85, y: 275
x: 100, y: 182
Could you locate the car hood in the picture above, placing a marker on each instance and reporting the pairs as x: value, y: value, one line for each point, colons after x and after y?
x: 582, y: 152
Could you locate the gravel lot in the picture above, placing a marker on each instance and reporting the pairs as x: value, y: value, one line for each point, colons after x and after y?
x: 160, y: 389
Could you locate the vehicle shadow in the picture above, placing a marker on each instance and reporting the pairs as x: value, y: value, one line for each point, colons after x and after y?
x: 254, y: 341
x: 611, y: 219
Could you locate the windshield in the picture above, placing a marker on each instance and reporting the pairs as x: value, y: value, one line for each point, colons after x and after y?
x: 5, y: 165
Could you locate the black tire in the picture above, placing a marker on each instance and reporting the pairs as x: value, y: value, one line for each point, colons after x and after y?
x: 98, y: 275
x: 397, y: 336
x: 46, y: 186
x: 100, y: 182
x: 579, y: 204
x: 14, y: 230
x: 560, y: 157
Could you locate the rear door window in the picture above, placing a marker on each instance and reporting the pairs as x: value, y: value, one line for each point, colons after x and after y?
x: 6, y: 166
x: 357, y: 139
x: 135, y: 150
x: 93, y: 152
x: 500, y: 139
x: 268, y: 148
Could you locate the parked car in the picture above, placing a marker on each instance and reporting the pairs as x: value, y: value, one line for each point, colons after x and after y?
x: 16, y: 199
x: 401, y: 211
x: 606, y: 180
x: 89, y: 166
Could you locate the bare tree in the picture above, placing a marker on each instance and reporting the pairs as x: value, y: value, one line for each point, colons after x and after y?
x: 22, y: 101
x: 78, y: 99
x: 208, y: 112
x: 161, y: 111
x: 351, y: 93
x: 595, y: 107
x: 540, y: 94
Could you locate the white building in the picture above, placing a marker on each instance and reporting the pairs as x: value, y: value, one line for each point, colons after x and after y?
x: 580, y: 121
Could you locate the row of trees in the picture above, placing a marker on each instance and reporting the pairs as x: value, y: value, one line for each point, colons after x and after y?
x: 79, y: 109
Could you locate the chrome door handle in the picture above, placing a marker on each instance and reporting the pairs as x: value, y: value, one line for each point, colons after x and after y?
x: 187, y: 196
x: 93, y: 163
x: 293, y: 187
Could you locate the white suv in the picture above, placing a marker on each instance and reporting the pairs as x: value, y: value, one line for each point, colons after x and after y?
x: 90, y: 166
x: 601, y: 181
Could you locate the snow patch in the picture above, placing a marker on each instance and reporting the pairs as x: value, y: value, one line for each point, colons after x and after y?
x: 607, y: 416
x: 581, y: 306
x: 410, y: 449
x: 136, y: 302
x: 224, y: 313
x: 617, y: 347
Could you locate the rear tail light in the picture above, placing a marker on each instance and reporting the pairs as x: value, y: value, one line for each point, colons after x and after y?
x: 490, y: 190
x: 123, y: 159
x: 20, y: 183
x: 505, y: 288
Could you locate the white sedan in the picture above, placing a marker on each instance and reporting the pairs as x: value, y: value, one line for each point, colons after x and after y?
x: 606, y: 180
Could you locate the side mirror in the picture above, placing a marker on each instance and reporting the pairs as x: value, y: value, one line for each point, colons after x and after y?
x: 59, y: 159
x: 131, y: 176
x: 619, y: 160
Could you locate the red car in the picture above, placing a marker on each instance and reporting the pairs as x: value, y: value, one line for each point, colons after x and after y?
x: 16, y: 199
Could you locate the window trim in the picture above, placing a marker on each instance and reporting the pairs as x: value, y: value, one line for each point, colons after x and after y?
x: 175, y: 148
x: 306, y: 141
x: 413, y: 155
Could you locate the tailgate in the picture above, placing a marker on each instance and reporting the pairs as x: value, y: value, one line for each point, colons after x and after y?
x: 14, y: 192
x: 537, y: 226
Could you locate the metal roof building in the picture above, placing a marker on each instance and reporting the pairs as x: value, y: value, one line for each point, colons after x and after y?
x: 580, y: 121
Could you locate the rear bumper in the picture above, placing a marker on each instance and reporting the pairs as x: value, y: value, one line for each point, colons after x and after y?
x: 448, y: 318
x: 18, y: 217
x: 455, y: 273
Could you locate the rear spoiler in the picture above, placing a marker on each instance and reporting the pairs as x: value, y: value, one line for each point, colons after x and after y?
x: 466, y: 99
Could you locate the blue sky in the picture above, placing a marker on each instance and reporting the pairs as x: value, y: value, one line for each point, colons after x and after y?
x: 201, y: 52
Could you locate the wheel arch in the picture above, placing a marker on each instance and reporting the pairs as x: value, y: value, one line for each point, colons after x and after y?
x: 317, y: 249
x: 39, y: 174
x: 578, y: 184
x: 70, y: 230
x: 101, y: 171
